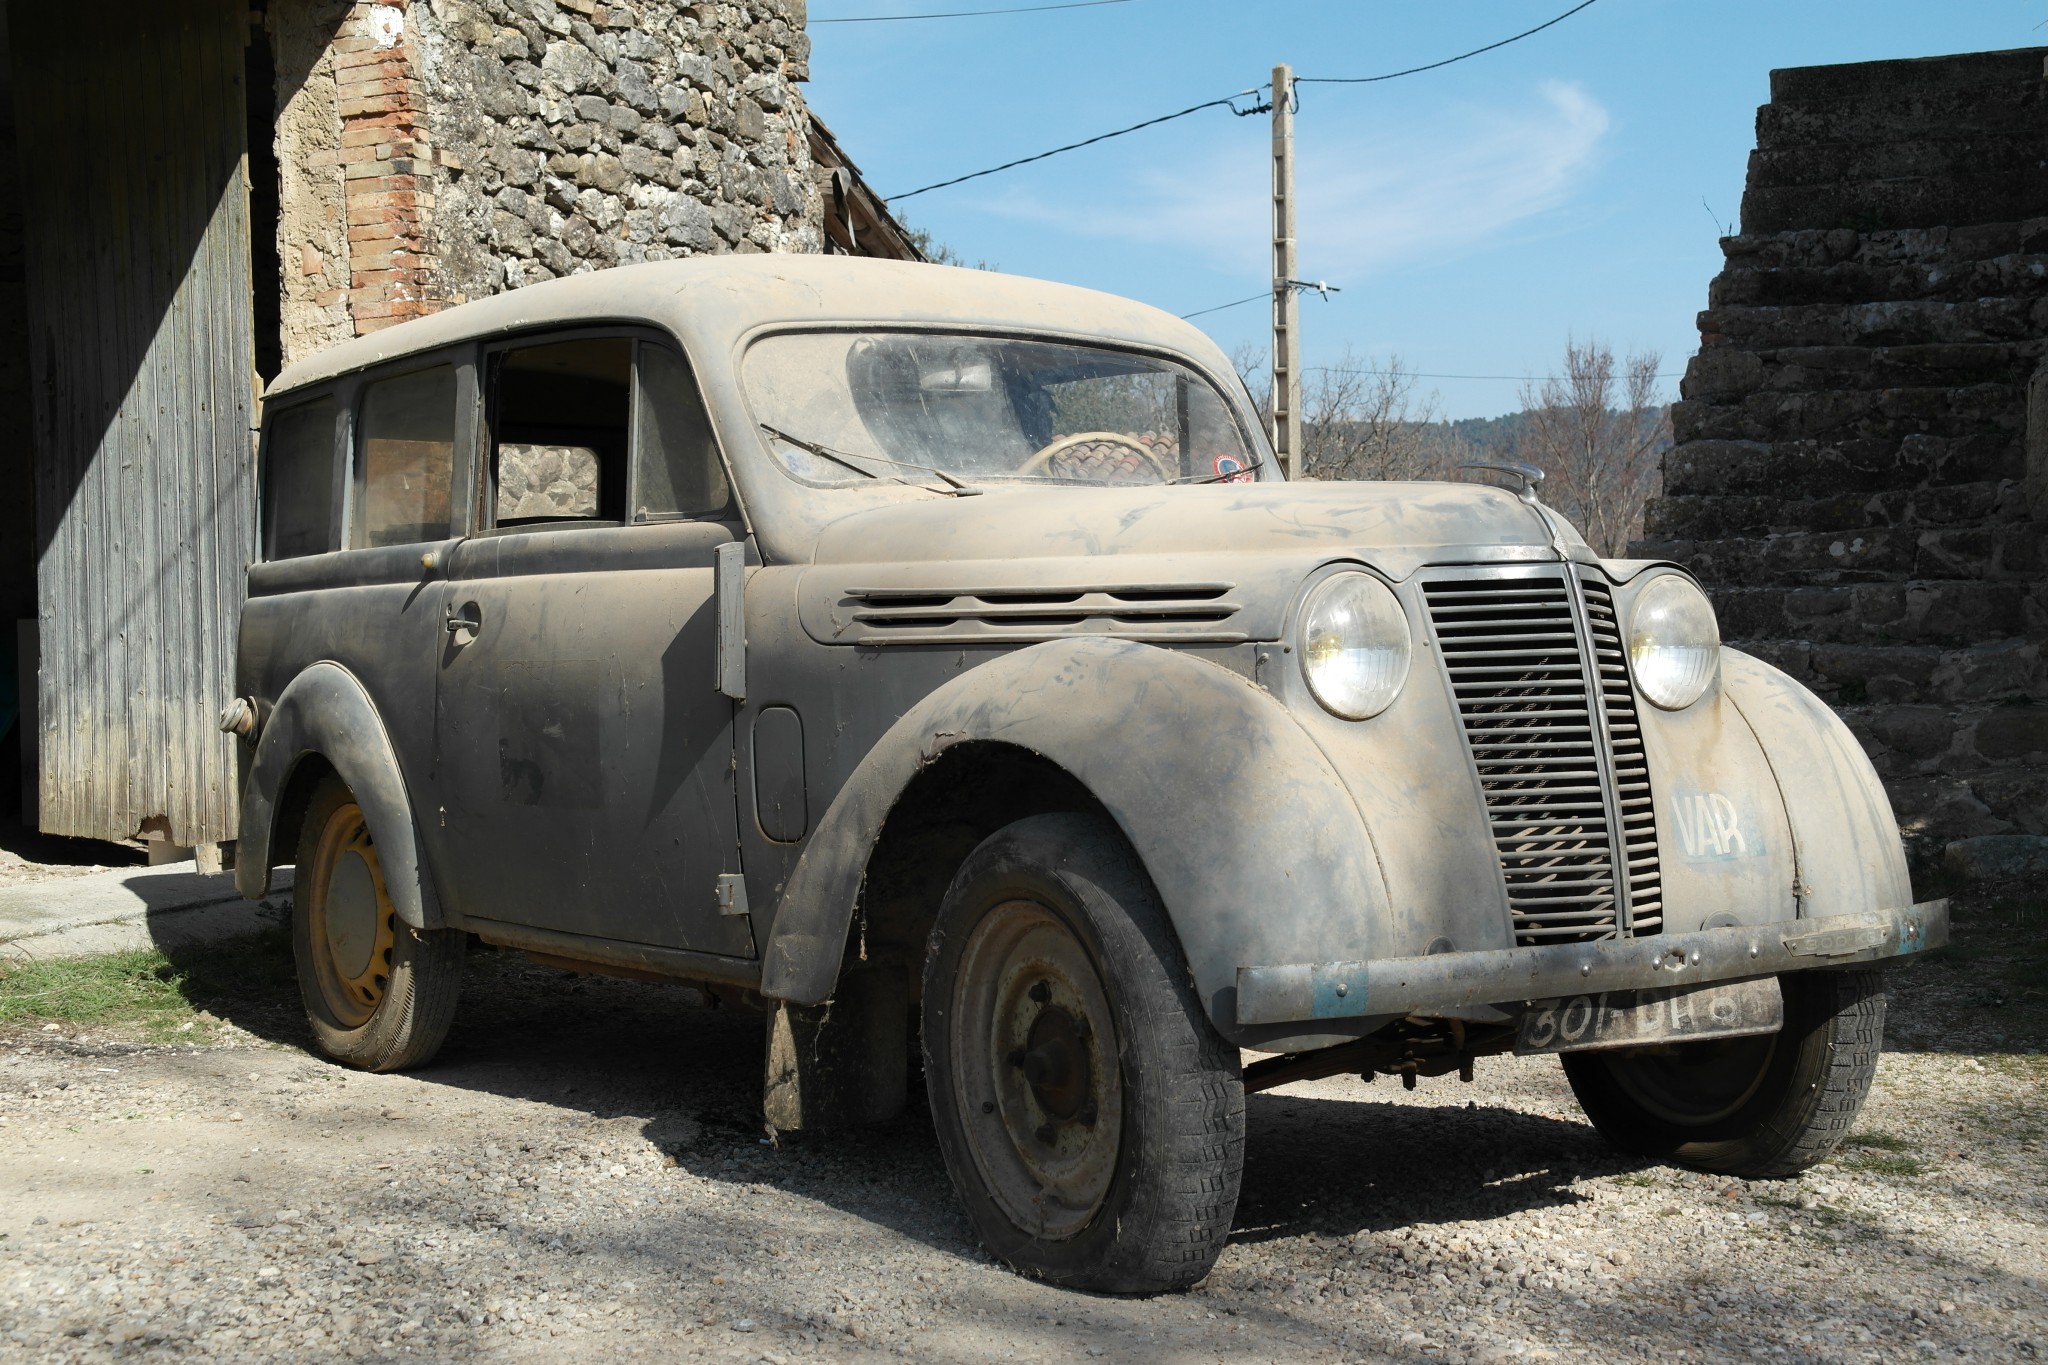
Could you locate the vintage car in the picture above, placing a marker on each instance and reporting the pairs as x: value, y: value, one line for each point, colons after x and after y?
x: 938, y: 661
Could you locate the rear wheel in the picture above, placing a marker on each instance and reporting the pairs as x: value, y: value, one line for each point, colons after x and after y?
x: 1762, y: 1108
x: 1091, y: 1118
x: 379, y: 994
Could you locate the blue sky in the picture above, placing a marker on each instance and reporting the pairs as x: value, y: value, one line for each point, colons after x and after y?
x: 1475, y: 216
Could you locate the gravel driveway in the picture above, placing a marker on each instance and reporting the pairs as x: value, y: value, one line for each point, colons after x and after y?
x: 582, y: 1170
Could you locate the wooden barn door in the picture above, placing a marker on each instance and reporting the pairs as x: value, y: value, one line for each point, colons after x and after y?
x: 133, y: 124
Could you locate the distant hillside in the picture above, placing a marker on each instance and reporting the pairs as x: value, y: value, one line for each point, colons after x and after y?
x: 1501, y: 438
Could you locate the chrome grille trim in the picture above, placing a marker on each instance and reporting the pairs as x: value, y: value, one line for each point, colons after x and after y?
x: 1538, y: 671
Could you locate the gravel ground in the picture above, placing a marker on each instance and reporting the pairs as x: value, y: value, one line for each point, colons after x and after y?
x: 582, y: 1169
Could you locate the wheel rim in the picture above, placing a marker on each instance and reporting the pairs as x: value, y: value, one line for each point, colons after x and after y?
x: 351, y: 923
x: 1035, y: 1063
x: 1696, y: 1084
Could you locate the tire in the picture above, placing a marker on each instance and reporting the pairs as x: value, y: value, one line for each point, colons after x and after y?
x: 379, y: 994
x: 1762, y: 1108
x: 1091, y: 1118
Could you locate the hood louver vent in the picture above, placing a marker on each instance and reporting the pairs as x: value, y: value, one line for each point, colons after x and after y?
x: 1180, y: 613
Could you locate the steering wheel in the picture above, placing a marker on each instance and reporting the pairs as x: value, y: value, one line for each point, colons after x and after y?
x: 1101, y: 457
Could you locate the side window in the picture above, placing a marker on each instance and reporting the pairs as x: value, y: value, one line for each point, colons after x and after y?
x: 560, y: 414
x: 405, y: 454
x: 676, y: 468
x: 298, y: 480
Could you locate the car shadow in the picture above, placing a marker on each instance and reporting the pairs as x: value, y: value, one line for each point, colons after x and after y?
x: 661, y: 1062
x: 1326, y: 1164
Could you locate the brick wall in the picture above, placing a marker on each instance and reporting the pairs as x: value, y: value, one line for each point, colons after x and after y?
x: 1851, y: 478
x: 387, y: 167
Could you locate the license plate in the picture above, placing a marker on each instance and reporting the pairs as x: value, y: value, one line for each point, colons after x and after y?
x: 1676, y: 1014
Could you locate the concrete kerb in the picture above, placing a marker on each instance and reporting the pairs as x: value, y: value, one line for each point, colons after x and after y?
x: 132, y: 908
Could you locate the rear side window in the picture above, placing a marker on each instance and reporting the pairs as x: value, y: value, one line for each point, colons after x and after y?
x: 298, y: 480
x: 560, y: 418
x: 405, y: 455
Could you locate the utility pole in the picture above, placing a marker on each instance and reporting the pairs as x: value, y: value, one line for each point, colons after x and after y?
x: 1286, y: 301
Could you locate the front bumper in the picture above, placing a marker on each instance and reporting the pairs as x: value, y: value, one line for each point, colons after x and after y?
x: 1303, y: 991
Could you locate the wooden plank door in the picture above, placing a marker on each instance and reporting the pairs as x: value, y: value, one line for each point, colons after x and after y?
x: 133, y: 126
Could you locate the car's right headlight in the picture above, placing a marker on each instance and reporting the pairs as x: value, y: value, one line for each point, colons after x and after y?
x: 1354, y: 645
x: 1674, y: 644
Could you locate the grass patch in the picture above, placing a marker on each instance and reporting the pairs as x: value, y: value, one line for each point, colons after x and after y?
x: 1881, y: 1154
x: 1878, y: 1142
x: 153, y: 993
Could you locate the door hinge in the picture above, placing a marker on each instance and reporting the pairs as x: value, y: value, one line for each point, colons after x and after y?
x: 729, y: 568
x: 732, y: 894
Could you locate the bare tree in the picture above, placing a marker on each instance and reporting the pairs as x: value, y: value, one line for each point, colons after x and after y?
x: 1600, y: 436
x: 1254, y: 366
x: 1364, y: 422
x: 1359, y: 421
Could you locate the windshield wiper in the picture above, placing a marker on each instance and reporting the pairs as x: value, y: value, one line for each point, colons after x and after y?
x: 954, y: 487
x: 1254, y: 467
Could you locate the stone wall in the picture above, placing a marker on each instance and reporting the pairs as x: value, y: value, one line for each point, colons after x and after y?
x: 1851, y: 479
x: 471, y: 146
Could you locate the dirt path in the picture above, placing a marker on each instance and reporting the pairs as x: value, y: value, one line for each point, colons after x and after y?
x: 582, y: 1169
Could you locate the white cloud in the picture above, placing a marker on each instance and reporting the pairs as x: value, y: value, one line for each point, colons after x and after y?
x: 1374, y: 199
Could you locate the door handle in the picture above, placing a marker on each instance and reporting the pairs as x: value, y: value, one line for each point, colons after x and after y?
x: 464, y: 623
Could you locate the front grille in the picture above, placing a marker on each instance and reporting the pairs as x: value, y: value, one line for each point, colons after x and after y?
x: 1627, y: 761
x: 1558, y: 755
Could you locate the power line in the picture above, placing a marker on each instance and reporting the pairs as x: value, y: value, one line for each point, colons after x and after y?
x: 1414, y: 70
x: 1238, y: 303
x: 968, y: 13
x: 1427, y: 374
x: 1228, y: 101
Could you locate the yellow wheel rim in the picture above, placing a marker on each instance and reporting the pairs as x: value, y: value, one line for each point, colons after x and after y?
x: 351, y: 924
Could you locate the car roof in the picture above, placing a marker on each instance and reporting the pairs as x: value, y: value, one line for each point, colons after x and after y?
x: 710, y: 302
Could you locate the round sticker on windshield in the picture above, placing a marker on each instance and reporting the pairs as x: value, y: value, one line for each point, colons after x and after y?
x: 1230, y: 469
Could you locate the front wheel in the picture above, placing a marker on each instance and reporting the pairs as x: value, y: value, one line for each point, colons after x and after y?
x: 379, y: 994
x: 1091, y: 1118
x: 1764, y: 1107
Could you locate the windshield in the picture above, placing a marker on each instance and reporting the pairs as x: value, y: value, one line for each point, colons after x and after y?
x: 844, y: 408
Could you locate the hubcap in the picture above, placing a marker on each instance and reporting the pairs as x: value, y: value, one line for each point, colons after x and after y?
x: 1693, y: 1085
x: 352, y: 923
x: 1037, y: 1083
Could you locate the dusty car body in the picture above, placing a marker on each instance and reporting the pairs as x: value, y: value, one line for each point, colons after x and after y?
x: 565, y: 637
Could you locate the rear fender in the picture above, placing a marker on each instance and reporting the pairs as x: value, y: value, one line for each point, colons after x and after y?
x: 326, y: 711
x: 1249, y: 835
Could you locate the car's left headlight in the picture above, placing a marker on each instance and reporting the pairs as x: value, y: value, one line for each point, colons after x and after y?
x: 1674, y: 645
x: 1354, y: 645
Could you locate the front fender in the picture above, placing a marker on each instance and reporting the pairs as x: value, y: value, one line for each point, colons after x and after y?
x: 1249, y: 835
x: 326, y: 711
x: 1845, y: 839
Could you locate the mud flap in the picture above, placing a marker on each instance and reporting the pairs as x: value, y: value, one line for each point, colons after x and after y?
x: 845, y: 1063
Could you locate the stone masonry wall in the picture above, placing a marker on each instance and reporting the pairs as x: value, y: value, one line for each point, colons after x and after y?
x: 1851, y: 479
x: 471, y: 146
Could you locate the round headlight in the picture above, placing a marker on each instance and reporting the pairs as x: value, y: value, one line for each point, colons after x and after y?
x: 1354, y: 645
x: 1674, y: 647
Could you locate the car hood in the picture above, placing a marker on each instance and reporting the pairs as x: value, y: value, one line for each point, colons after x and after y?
x: 1211, y: 563
x: 1043, y: 523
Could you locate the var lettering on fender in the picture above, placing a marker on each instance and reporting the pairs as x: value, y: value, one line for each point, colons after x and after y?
x: 1711, y: 827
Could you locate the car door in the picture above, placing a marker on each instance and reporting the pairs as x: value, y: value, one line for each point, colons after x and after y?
x: 356, y: 495
x: 584, y: 753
